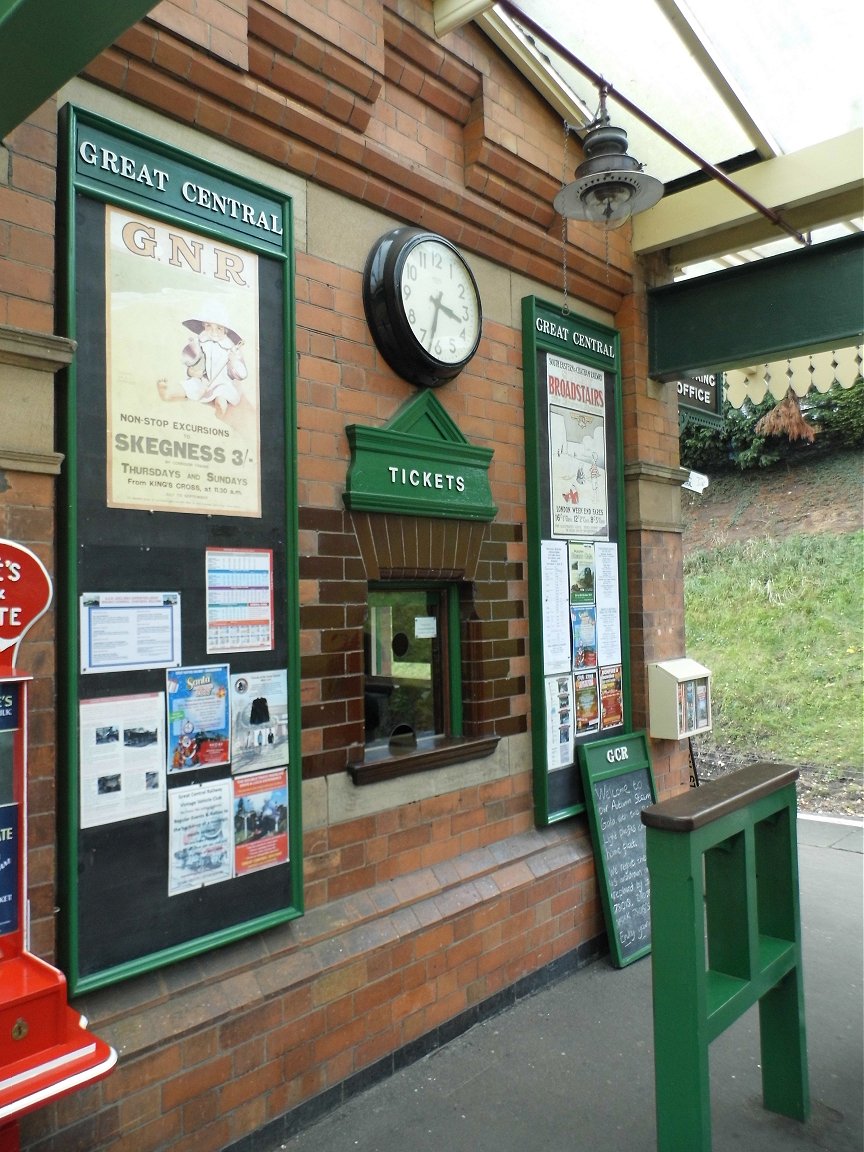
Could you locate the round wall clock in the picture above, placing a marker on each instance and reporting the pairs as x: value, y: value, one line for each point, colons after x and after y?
x: 422, y: 305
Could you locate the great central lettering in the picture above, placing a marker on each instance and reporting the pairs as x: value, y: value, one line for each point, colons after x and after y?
x: 573, y: 336
x: 137, y: 172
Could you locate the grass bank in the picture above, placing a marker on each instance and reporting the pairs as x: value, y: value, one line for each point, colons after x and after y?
x: 779, y: 623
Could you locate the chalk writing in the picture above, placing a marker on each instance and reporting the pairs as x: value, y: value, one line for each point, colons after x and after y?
x: 619, y: 802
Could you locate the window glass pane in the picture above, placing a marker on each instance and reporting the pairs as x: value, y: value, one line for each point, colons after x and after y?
x: 404, y: 675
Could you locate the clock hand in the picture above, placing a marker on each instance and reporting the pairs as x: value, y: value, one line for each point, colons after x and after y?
x: 436, y: 300
x: 449, y: 312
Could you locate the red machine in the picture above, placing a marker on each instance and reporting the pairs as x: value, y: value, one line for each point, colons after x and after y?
x: 45, y: 1048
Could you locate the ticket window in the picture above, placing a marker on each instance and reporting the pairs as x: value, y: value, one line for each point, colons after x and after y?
x: 407, y: 661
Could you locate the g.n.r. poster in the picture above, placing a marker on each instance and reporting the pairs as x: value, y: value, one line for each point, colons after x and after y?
x: 578, y: 496
x: 183, y: 420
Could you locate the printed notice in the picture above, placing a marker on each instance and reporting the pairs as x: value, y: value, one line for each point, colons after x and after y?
x: 556, y: 607
x: 122, y: 758
x: 182, y: 397
x: 578, y: 495
x: 587, y: 702
x: 260, y: 820
x: 608, y: 604
x: 581, y: 573
x: 129, y: 631
x: 259, y: 732
x: 559, y: 721
x: 239, y: 600
x: 199, y: 831
x: 199, y: 722
x: 584, y: 637
x: 611, y: 697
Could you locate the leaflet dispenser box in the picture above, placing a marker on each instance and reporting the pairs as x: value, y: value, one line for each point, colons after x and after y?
x: 679, y: 699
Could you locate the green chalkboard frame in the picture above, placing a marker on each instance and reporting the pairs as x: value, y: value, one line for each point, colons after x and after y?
x: 609, y: 765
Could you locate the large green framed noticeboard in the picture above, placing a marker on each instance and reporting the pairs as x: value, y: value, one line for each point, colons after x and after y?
x: 180, y: 683
x: 580, y: 668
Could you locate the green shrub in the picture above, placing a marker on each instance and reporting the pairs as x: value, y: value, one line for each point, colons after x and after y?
x: 838, y: 415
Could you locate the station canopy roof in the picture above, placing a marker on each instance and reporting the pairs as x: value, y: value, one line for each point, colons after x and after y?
x: 769, y: 94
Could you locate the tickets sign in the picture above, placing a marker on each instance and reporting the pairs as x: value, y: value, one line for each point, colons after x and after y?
x: 25, y: 595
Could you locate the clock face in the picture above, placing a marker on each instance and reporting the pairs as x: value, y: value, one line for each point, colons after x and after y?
x: 440, y: 301
x: 422, y: 305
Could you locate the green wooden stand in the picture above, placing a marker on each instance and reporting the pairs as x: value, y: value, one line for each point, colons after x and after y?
x: 726, y: 934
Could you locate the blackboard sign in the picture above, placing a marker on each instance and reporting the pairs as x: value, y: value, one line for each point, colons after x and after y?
x: 619, y: 783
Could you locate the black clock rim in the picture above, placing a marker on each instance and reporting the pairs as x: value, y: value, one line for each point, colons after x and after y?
x: 385, y: 314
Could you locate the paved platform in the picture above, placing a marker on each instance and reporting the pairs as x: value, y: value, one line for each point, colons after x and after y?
x: 571, y: 1068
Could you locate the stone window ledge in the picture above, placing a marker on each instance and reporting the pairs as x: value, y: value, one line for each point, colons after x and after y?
x: 437, y: 752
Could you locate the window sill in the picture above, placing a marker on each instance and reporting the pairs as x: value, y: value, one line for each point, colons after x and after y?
x: 438, y: 753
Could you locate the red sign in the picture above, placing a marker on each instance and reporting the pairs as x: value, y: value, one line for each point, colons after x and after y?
x: 25, y: 595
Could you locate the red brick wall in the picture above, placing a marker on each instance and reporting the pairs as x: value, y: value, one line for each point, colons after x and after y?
x: 397, y: 940
x: 27, y: 191
x: 406, y: 943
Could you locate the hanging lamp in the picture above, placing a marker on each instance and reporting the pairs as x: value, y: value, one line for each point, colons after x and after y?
x: 610, y: 185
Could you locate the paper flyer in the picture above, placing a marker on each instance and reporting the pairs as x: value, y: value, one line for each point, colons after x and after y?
x: 122, y: 758
x: 199, y: 721
x: 579, y: 503
x: 199, y: 835
x: 584, y: 622
x: 259, y: 729
x: 611, y: 697
x: 587, y: 702
x: 240, y: 612
x: 129, y: 631
x: 260, y: 820
x: 560, y: 721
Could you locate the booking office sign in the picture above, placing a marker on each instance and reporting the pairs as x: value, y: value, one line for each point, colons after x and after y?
x: 577, y: 585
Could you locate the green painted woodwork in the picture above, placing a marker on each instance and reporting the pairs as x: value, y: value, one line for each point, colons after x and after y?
x: 85, y: 187
x: 115, y: 163
x: 548, y: 330
x: 726, y: 934
x: 44, y: 43
x: 619, y: 781
x: 803, y: 301
x: 419, y: 464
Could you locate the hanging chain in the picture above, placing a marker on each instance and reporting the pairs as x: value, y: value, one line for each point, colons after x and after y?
x: 565, y: 309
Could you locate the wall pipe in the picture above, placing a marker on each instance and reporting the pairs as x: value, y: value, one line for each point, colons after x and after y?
x: 601, y: 83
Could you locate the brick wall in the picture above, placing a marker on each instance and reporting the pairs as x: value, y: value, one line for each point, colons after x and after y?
x: 376, y: 975
x: 27, y: 501
x: 424, y: 910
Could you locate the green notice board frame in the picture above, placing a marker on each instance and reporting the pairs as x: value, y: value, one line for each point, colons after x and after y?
x: 577, y: 587
x: 181, y: 825
x: 619, y: 783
